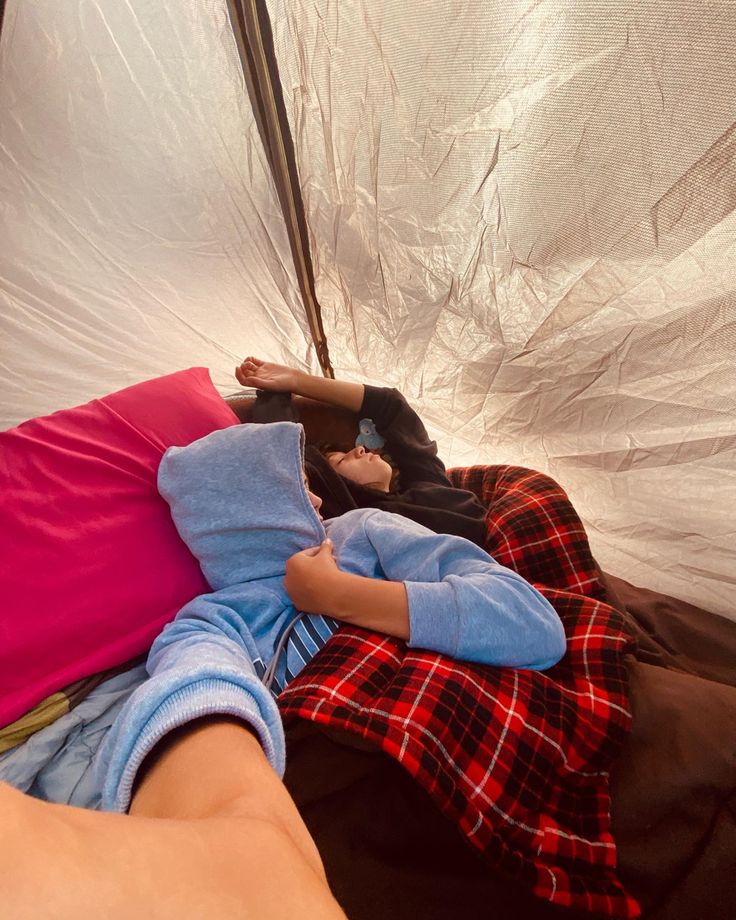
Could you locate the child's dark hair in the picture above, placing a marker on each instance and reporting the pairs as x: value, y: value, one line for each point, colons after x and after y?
x: 331, y: 447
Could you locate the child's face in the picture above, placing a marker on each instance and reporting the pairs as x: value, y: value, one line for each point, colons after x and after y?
x: 361, y: 466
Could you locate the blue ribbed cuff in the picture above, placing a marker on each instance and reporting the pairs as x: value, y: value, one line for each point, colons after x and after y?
x: 211, y: 696
x: 433, y: 624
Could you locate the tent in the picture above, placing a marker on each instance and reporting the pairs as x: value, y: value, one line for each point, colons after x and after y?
x: 521, y: 214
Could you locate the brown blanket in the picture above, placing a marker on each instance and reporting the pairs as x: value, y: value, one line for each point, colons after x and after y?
x: 674, y: 784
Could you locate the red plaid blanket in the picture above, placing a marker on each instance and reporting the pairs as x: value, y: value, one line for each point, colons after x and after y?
x: 517, y: 759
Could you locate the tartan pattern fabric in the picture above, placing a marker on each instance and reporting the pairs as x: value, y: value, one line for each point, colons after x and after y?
x: 532, y: 527
x: 518, y: 759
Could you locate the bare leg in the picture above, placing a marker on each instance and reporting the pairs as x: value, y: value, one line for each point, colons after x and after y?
x: 212, y: 834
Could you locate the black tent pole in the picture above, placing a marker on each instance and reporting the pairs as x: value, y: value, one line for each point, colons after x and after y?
x: 254, y: 38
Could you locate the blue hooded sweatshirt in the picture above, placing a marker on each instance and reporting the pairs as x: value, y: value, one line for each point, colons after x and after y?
x: 239, y: 502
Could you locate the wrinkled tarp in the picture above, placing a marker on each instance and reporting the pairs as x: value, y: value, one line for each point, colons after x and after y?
x: 523, y: 216
x: 520, y: 214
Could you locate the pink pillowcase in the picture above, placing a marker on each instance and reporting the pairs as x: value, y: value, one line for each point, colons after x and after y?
x: 91, y: 566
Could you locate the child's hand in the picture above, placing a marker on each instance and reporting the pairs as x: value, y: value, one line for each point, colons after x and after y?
x: 312, y: 579
x: 256, y: 373
x: 316, y: 584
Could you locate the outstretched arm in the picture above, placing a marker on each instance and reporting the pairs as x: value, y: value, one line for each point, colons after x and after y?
x: 201, y: 741
x: 231, y: 844
x: 411, y: 448
x: 265, y: 376
x: 202, y: 664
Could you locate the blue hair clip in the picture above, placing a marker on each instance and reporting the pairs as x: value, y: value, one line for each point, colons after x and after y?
x: 368, y: 437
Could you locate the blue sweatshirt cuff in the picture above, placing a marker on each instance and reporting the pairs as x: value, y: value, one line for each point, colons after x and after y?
x: 209, y: 696
x: 431, y: 622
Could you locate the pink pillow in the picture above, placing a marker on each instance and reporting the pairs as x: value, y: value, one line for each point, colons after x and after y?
x: 91, y: 566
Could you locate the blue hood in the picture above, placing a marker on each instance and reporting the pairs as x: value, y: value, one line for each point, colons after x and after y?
x: 239, y: 502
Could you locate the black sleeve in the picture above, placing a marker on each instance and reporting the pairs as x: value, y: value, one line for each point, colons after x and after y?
x: 274, y: 406
x: 407, y: 441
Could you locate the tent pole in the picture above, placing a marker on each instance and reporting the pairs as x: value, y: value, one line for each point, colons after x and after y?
x: 2, y: 15
x: 252, y: 29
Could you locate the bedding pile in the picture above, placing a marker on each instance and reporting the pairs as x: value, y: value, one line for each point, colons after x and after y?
x: 519, y: 760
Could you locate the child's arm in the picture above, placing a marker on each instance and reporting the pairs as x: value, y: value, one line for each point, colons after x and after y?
x: 315, y: 584
x: 411, y: 448
x: 265, y: 376
x: 458, y: 600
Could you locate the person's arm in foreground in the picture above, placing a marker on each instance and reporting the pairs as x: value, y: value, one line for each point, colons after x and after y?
x: 442, y: 593
x: 266, y: 376
x: 202, y: 664
x: 212, y: 833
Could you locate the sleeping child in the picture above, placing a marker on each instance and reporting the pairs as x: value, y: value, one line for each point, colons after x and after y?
x: 283, y: 580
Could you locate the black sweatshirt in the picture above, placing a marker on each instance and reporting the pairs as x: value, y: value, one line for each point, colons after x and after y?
x: 423, y: 492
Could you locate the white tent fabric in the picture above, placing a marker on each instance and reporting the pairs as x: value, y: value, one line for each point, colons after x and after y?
x: 523, y: 216
x: 520, y: 214
x: 141, y: 232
